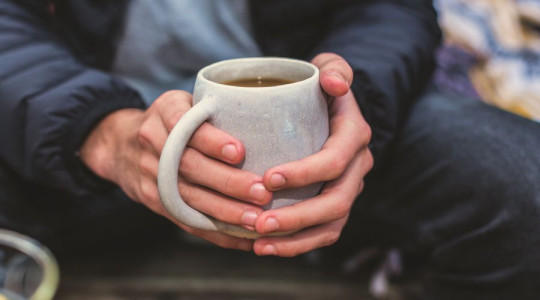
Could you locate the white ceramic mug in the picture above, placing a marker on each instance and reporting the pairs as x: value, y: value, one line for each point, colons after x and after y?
x: 276, y: 124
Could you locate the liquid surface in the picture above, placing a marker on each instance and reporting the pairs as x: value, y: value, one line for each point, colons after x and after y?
x: 258, y: 82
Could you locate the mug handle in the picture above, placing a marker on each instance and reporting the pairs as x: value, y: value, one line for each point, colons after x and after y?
x: 168, y: 174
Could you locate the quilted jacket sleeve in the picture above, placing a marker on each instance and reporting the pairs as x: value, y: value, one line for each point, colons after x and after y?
x: 390, y: 45
x: 49, y: 100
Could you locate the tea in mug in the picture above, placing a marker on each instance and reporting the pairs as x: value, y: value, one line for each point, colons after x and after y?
x: 258, y: 82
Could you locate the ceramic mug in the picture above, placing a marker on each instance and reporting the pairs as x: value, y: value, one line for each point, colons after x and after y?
x: 276, y: 125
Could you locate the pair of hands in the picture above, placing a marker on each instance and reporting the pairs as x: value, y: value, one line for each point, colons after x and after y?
x: 126, y: 145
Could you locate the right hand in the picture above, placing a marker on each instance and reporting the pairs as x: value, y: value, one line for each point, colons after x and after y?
x: 125, y: 148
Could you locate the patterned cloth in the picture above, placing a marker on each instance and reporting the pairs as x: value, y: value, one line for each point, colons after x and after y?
x: 495, y: 44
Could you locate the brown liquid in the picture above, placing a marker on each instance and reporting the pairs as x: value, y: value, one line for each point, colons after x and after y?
x: 258, y: 82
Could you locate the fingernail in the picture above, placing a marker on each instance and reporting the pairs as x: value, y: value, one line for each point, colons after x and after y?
x: 277, y: 181
x: 271, y: 225
x: 337, y: 76
x: 269, y: 250
x: 249, y: 218
x: 257, y: 192
x: 229, y: 152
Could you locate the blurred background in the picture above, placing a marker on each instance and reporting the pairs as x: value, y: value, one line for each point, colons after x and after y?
x: 491, y: 52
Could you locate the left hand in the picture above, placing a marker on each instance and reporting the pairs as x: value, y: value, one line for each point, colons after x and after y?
x: 343, y: 161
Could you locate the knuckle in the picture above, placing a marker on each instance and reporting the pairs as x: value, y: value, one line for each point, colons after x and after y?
x: 331, y: 56
x: 322, y: 60
x: 348, y: 69
x: 365, y: 130
x: 332, y: 237
x: 344, y: 66
x: 336, y: 56
x: 221, y: 212
x: 340, y: 63
x: 298, y: 223
x: 171, y: 105
x: 228, y: 185
x: 339, y: 163
x: 146, y: 165
x: 360, y: 188
x: 149, y: 192
x: 321, y: 57
x: 188, y: 162
x: 172, y: 95
x: 303, y: 175
x: 369, y: 160
x: 144, y: 134
x: 325, y: 54
x: 342, y: 209
x: 171, y: 120
x: 185, y: 192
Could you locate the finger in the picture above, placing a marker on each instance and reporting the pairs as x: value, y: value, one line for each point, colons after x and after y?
x: 207, y: 139
x: 332, y: 204
x: 349, y: 134
x: 171, y: 105
x: 163, y: 115
x: 199, y: 169
x: 218, y: 144
x: 218, y: 206
x: 301, y: 242
x: 148, y: 165
x: 335, y: 73
x: 148, y: 193
x: 219, y: 239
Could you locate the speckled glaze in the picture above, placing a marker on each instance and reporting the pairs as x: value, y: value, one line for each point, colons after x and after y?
x: 276, y: 124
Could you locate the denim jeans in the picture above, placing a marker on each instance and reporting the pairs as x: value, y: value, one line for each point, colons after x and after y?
x: 461, y: 186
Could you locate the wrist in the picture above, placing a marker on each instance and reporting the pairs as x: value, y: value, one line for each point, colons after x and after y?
x: 105, y: 143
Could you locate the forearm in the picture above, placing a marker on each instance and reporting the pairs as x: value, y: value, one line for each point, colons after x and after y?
x: 50, y: 101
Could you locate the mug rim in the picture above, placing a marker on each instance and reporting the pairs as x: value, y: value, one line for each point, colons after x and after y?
x: 202, y: 78
x: 36, y: 251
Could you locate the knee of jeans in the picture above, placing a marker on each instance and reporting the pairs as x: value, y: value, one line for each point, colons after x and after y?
x: 475, y: 147
x: 482, y: 219
x: 499, y: 180
x: 498, y: 219
x: 501, y: 251
x: 491, y: 178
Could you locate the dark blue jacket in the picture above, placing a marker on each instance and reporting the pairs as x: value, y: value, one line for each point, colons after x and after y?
x: 54, y: 84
